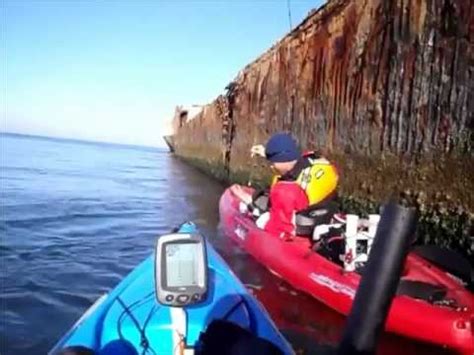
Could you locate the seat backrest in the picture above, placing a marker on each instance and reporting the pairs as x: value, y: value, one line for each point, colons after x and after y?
x: 306, y: 220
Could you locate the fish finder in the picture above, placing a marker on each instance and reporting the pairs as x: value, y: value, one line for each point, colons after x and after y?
x: 181, y: 269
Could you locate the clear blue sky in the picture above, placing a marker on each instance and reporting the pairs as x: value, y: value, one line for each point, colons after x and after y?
x: 114, y: 70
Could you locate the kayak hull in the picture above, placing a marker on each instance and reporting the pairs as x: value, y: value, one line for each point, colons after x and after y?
x: 107, y: 322
x: 329, y: 283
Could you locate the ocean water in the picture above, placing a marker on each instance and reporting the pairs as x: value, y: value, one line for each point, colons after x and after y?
x: 76, y: 217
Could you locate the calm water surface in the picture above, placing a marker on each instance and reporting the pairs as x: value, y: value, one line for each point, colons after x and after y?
x: 76, y: 217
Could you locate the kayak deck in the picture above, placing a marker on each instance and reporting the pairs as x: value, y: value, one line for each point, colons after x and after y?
x: 131, y: 316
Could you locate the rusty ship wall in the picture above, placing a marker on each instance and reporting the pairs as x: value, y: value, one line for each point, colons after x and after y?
x: 199, y: 141
x: 382, y: 87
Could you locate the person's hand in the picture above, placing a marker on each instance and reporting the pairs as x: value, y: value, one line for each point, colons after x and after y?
x: 258, y: 149
x: 235, y: 188
x: 241, y: 194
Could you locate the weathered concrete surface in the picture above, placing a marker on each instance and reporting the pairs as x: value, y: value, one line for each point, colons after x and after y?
x: 383, y: 87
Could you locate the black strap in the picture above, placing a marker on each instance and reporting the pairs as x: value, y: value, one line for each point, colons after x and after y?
x: 302, y: 163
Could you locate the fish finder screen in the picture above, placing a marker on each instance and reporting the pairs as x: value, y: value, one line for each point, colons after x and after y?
x: 182, y: 267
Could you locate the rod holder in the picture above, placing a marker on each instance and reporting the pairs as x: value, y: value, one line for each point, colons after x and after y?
x: 379, y: 282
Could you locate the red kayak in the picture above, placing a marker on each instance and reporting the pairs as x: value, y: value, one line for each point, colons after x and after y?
x: 448, y: 323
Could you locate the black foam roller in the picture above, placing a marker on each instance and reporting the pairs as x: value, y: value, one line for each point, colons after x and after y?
x: 379, y: 281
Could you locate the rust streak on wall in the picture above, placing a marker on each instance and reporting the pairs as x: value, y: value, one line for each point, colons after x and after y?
x: 383, y: 87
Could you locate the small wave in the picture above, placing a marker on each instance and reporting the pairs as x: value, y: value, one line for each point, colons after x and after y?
x: 21, y: 290
x: 28, y: 205
x: 85, y: 200
x: 34, y: 221
x: 51, y: 252
x: 8, y: 170
x: 78, y: 300
x: 143, y: 167
x: 5, y: 249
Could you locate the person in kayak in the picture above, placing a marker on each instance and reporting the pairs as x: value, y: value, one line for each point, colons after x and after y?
x: 300, y: 181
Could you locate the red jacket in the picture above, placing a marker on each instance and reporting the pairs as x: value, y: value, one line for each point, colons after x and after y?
x: 286, y: 198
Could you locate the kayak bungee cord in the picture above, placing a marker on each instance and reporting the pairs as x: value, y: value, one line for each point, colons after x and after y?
x: 127, y: 311
x: 134, y: 305
x: 146, y: 344
x: 233, y: 308
x: 247, y: 308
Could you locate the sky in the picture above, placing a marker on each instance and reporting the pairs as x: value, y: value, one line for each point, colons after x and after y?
x: 114, y: 70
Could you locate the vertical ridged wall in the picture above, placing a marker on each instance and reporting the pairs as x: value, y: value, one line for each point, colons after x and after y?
x: 383, y: 87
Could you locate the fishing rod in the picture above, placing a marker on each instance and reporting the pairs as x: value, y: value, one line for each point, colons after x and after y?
x: 254, y: 164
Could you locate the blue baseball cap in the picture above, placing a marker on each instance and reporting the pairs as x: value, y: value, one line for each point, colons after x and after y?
x: 281, y: 147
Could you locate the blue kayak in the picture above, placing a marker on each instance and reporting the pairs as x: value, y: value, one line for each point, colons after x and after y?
x: 130, y: 320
